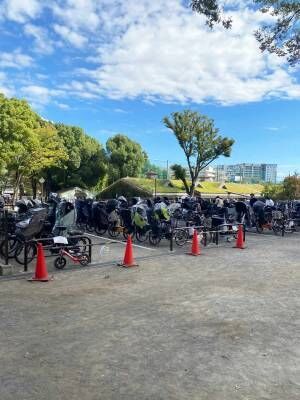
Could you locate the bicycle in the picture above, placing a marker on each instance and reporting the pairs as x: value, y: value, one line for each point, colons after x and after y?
x: 73, y: 254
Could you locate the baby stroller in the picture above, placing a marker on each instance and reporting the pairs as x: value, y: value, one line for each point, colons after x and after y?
x: 160, y: 224
x: 114, y: 219
x: 126, y: 222
x: 140, y: 221
x: 30, y: 228
x: 100, y: 217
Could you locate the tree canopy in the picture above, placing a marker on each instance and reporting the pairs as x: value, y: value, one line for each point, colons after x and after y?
x: 86, y: 161
x: 200, y: 142
x: 281, y: 36
x: 32, y: 147
x: 28, y: 144
x: 125, y: 156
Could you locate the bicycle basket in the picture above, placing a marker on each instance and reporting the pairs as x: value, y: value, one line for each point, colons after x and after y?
x: 277, y: 214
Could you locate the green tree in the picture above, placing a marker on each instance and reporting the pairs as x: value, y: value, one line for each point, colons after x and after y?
x: 180, y: 173
x: 19, y: 142
x: 148, y: 166
x: 85, y: 164
x: 273, y: 190
x: 199, y: 140
x: 125, y: 157
x: 49, y: 152
x: 291, y: 187
x: 281, y: 36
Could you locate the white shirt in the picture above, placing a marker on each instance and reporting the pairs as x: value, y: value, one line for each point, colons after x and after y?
x: 270, y: 203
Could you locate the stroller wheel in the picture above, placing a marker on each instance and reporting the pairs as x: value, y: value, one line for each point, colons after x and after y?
x: 60, y: 262
x: 113, y: 232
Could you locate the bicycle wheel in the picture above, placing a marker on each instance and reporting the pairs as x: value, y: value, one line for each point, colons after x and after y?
x: 60, y: 263
x: 181, y: 236
x: 84, y: 259
x: 141, y: 235
x: 12, y: 244
x: 20, y: 252
x: 89, y: 227
x: 100, y: 230
x: 154, y: 238
x: 126, y: 233
x: 289, y: 226
x: 259, y: 228
x: 277, y: 229
x: 113, y: 231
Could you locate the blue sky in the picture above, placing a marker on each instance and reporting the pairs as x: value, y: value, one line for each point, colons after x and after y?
x: 113, y: 66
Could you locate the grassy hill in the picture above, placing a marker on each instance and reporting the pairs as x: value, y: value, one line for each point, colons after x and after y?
x: 144, y: 187
x: 243, y: 188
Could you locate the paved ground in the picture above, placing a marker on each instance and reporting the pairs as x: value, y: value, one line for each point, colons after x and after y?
x: 222, y: 326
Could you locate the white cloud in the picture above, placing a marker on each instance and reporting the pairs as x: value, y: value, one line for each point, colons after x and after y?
x: 63, y: 106
x: 16, y: 59
x: 78, y: 14
x: 40, y: 95
x: 70, y: 36
x: 42, y: 42
x: 156, y: 51
x: 21, y: 10
x: 163, y: 52
x: 120, y: 111
x: 5, y: 88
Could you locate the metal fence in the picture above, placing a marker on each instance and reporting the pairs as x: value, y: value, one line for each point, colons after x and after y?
x: 205, y: 232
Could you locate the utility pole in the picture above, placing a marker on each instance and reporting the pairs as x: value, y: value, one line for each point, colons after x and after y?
x: 167, y: 169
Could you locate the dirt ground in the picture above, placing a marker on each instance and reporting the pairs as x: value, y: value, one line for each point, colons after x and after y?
x: 222, y: 326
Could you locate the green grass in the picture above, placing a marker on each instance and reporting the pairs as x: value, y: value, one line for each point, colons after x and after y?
x: 162, y: 186
x: 243, y: 188
x: 210, y: 187
x: 176, y: 186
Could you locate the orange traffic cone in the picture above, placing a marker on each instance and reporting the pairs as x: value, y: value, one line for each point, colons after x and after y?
x: 240, y: 238
x: 41, y: 273
x: 128, y: 261
x: 195, y: 250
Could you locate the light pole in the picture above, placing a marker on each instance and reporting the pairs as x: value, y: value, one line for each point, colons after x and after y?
x: 42, y: 181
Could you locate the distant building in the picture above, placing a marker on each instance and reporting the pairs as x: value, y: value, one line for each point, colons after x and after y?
x: 151, y: 175
x: 208, y: 174
x: 249, y: 173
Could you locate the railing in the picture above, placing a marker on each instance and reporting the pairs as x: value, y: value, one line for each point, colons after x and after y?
x: 205, y: 231
x: 55, y: 247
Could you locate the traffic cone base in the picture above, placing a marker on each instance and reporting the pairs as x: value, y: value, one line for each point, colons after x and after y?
x: 41, y: 273
x: 127, y: 265
x: 33, y: 279
x: 195, y: 250
x: 128, y: 261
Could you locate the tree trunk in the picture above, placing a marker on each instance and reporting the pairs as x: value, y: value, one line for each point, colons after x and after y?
x: 34, y: 186
x: 16, y: 186
x: 192, y: 189
x: 21, y: 189
x: 186, y: 186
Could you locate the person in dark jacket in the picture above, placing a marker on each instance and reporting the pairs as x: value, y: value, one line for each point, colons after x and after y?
x: 253, y: 199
